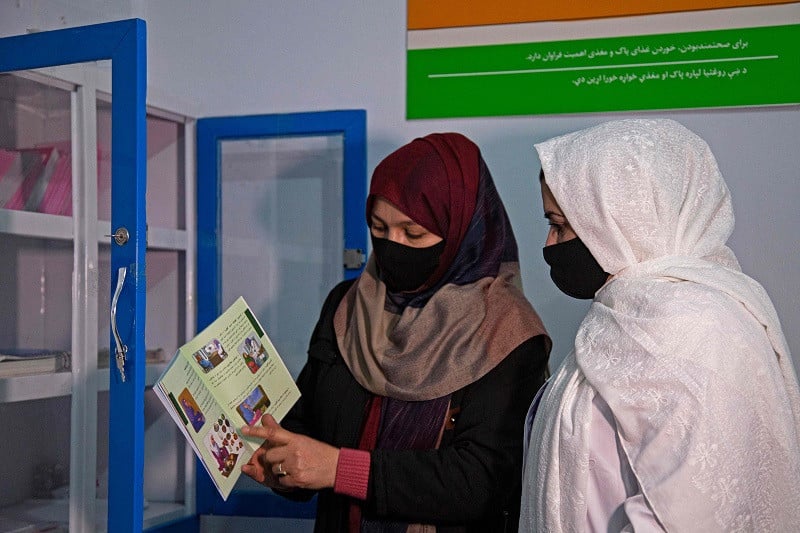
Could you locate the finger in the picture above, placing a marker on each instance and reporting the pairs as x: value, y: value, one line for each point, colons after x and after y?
x: 275, y: 433
x: 275, y: 455
x: 279, y: 471
x: 257, y: 457
x: 271, y: 432
x: 255, y: 471
x: 257, y: 433
x: 268, y: 420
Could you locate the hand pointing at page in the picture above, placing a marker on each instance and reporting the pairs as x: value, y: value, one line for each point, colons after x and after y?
x: 288, y: 460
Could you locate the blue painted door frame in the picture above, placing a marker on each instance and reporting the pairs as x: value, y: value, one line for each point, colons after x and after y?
x: 124, y: 43
x: 351, y: 124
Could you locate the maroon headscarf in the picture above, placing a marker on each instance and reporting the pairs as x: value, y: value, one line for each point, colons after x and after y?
x: 433, y: 181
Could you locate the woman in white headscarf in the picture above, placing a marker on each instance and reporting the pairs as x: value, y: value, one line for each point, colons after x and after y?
x: 678, y: 408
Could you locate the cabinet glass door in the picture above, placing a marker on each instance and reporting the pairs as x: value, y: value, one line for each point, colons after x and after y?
x: 49, y: 239
x: 36, y: 261
x: 282, y: 233
x: 280, y: 222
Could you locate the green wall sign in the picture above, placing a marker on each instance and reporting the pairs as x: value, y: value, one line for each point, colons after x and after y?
x: 721, y: 68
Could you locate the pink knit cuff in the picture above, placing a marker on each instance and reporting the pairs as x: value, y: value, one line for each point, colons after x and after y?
x: 352, y: 473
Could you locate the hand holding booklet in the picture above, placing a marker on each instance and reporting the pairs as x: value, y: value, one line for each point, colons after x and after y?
x: 229, y: 375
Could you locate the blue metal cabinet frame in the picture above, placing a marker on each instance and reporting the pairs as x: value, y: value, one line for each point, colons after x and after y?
x: 210, y: 131
x: 123, y: 42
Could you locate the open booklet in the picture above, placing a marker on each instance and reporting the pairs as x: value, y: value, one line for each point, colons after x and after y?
x: 227, y: 376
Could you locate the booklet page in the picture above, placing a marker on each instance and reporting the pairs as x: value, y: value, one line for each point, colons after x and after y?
x: 227, y: 376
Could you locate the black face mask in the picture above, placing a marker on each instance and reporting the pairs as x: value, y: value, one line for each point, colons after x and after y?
x: 573, y: 269
x: 405, y: 268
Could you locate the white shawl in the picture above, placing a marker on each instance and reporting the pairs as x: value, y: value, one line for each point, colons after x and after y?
x: 685, y: 349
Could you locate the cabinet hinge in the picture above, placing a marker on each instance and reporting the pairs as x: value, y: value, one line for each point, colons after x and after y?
x: 354, y: 257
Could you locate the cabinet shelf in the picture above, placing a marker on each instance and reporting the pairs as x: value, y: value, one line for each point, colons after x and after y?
x: 55, y: 513
x: 47, y: 226
x: 30, y: 224
x: 54, y: 384
x: 35, y: 386
x: 167, y: 239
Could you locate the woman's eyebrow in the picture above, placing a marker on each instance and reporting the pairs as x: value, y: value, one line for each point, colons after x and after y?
x: 403, y: 223
x: 551, y: 214
x: 409, y: 223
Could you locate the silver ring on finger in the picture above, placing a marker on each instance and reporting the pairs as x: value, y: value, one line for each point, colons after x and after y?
x: 281, y: 472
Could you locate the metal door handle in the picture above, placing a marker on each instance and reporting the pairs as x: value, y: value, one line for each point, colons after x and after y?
x: 122, y: 350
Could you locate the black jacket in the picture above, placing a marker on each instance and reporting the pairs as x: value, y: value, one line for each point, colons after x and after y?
x: 472, y: 481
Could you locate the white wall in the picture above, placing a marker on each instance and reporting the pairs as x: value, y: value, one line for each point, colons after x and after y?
x: 222, y: 57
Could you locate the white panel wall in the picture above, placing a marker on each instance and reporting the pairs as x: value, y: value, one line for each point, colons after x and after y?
x: 224, y: 57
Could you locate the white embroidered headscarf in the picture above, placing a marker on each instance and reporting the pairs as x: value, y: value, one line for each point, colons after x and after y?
x: 685, y: 349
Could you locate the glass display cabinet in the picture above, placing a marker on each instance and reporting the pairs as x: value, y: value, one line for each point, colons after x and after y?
x: 124, y: 228
x: 96, y: 300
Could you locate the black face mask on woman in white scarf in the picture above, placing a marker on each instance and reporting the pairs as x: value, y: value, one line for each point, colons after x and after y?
x: 573, y: 269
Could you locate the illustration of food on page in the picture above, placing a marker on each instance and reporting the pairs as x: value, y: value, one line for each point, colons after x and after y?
x: 224, y: 445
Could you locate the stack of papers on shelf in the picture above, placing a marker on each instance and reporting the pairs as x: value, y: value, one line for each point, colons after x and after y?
x: 19, y: 361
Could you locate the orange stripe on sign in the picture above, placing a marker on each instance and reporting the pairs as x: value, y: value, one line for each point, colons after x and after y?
x: 430, y: 14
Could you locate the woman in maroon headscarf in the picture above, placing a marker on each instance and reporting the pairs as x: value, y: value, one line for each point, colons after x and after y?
x: 419, y: 371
